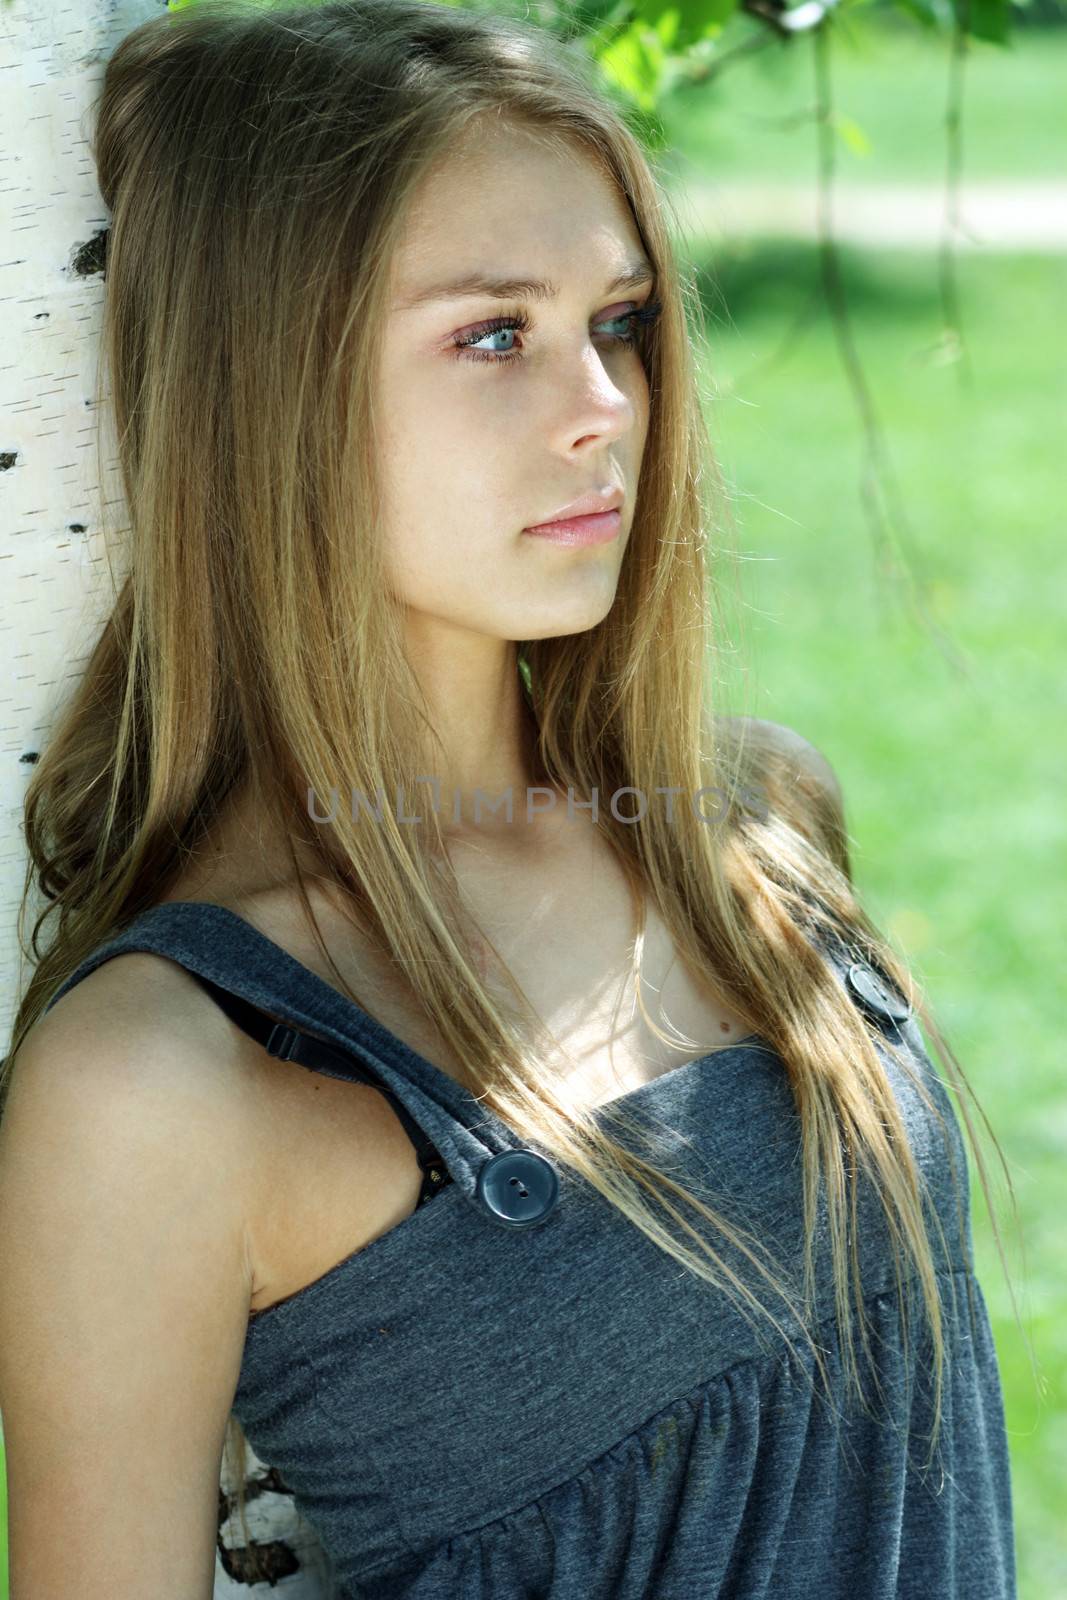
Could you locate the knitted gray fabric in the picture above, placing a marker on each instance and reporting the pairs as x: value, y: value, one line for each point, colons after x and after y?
x: 473, y: 1409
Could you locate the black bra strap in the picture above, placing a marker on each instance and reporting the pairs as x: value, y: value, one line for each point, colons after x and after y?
x: 289, y: 1044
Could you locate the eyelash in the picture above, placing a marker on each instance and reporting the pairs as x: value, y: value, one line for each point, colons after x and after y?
x: 520, y: 323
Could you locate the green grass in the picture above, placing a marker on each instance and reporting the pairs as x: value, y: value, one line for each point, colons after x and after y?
x: 954, y: 784
x: 891, y: 79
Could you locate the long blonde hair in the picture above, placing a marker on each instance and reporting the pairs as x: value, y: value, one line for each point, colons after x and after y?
x: 258, y: 164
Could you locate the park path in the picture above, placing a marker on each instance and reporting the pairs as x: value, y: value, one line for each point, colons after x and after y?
x: 1015, y: 214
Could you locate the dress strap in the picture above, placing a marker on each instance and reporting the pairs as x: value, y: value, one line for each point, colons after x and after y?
x: 287, y: 1043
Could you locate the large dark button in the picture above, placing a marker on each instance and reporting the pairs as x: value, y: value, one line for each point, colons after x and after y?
x: 518, y: 1187
x: 875, y: 994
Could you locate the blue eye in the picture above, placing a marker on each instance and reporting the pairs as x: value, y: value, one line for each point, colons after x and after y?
x: 634, y: 322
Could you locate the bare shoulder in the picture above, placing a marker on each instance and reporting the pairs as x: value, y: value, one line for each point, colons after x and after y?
x: 795, y: 781
x: 807, y: 760
x: 137, y: 1040
x: 144, y: 999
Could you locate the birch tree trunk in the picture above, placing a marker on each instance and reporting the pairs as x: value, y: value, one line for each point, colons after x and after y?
x: 55, y: 588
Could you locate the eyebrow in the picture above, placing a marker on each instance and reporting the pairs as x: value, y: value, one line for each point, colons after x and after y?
x: 472, y: 284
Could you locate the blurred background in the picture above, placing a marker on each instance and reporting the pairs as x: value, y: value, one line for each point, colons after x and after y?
x: 873, y: 200
x: 941, y: 703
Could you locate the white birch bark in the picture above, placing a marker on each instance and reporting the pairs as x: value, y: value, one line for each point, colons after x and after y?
x: 55, y: 588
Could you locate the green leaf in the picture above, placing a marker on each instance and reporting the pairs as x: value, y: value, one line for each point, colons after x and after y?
x: 634, y: 61
x: 929, y: 14
x: 691, y: 20
x: 985, y: 19
x: 667, y: 26
x: 851, y: 132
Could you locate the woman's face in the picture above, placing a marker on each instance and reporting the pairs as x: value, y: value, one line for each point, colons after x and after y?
x: 477, y: 450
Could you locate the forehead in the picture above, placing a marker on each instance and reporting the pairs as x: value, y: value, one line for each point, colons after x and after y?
x: 508, y: 202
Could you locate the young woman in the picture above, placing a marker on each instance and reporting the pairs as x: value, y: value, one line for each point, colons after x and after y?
x: 560, y: 1198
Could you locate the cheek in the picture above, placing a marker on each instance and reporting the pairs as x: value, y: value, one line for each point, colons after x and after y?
x: 441, y: 430
x: 449, y: 459
x: 448, y: 537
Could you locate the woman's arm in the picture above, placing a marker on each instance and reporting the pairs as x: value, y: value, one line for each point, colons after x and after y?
x: 124, y: 1290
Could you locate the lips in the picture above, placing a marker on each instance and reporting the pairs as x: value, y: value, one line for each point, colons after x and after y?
x: 595, y: 503
x: 600, y: 527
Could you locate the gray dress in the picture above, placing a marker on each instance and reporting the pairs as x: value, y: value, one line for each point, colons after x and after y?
x: 514, y: 1394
